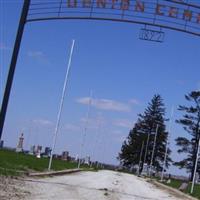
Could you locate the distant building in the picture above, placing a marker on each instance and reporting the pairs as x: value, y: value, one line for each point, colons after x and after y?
x: 65, y: 155
x: 73, y: 159
x: 56, y: 156
x: 47, y: 152
x: 20, y: 143
x: 87, y: 160
x: 77, y: 157
x: 38, y: 151
x: 32, y: 150
x: 1, y: 144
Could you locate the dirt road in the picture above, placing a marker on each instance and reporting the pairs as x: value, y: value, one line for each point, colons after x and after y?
x: 102, y: 185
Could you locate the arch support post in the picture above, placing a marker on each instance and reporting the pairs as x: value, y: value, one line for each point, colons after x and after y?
x: 13, y: 62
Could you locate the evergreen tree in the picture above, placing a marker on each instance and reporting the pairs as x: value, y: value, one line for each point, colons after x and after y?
x: 191, y: 124
x: 130, y: 151
x: 144, y: 131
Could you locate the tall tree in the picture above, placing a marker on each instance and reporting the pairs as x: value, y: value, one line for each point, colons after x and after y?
x: 130, y: 151
x: 144, y: 131
x: 191, y: 124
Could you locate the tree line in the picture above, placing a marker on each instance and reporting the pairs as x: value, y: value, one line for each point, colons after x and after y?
x: 147, y: 142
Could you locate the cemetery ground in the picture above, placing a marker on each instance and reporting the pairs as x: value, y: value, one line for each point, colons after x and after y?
x: 85, y: 185
x: 99, y: 185
x: 177, y: 183
x: 15, y: 164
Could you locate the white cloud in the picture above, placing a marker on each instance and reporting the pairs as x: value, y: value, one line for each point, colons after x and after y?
x: 134, y: 101
x: 38, y: 56
x: 43, y: 122
x: 125, y: 123
x: 72, y: 127
x: 4, y: 47
x: 35, y: 54
x: 92, y: 123
x: 105, y: 104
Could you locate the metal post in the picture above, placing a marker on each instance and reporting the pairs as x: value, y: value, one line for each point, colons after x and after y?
x: 196, y: 164
x: 154, y: 146
x: 165, y: 158
x: 140, y: 157
x: 13, y: 64
x: 61, y: 104
x: 96, y: 139
x: 147, y: 144
x: 85, y: 130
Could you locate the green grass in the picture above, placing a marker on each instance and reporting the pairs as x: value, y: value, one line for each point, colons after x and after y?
x: 11, y: 163
x: 174, y: 183
x: 177, y: 183
x: 196, y: 192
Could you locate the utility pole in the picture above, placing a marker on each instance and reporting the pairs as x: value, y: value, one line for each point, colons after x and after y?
x: 13, y: 63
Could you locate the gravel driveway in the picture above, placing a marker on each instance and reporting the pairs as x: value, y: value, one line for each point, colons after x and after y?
x: 102, y: 185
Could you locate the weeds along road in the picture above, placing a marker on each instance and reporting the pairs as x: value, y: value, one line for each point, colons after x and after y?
x: 102, y: 185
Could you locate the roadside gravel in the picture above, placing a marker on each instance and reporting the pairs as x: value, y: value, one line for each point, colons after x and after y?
x: 12, y: 189
x: 102, y: 185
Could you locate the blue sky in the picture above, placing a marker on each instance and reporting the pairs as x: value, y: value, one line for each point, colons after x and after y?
x: 122, y: 71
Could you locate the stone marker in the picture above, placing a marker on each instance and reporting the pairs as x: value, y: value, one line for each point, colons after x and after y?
x: 183, y: 186
x: 168, y: 181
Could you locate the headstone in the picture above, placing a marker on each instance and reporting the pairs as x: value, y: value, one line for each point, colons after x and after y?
x: 197, y: 178
x: 168, y: 181
x: 145, y: 170
x: 183, y: 186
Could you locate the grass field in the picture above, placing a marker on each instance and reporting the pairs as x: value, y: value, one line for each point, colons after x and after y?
x: 177, y: 183
x: 12, y: 163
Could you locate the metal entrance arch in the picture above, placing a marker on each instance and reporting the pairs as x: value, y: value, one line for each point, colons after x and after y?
x: 178, y: 15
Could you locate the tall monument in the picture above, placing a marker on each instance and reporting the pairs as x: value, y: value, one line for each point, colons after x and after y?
x: 20, y: 143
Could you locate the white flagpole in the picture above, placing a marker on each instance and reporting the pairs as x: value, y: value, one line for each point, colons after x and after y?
x: 154, y: 146
x: 85, y: 130
x: 95, y: 140
x: 167, y: 144
x: 61, y: 104
x: 147, y: 144
x: 141, y: 152
x: 195, y: 170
